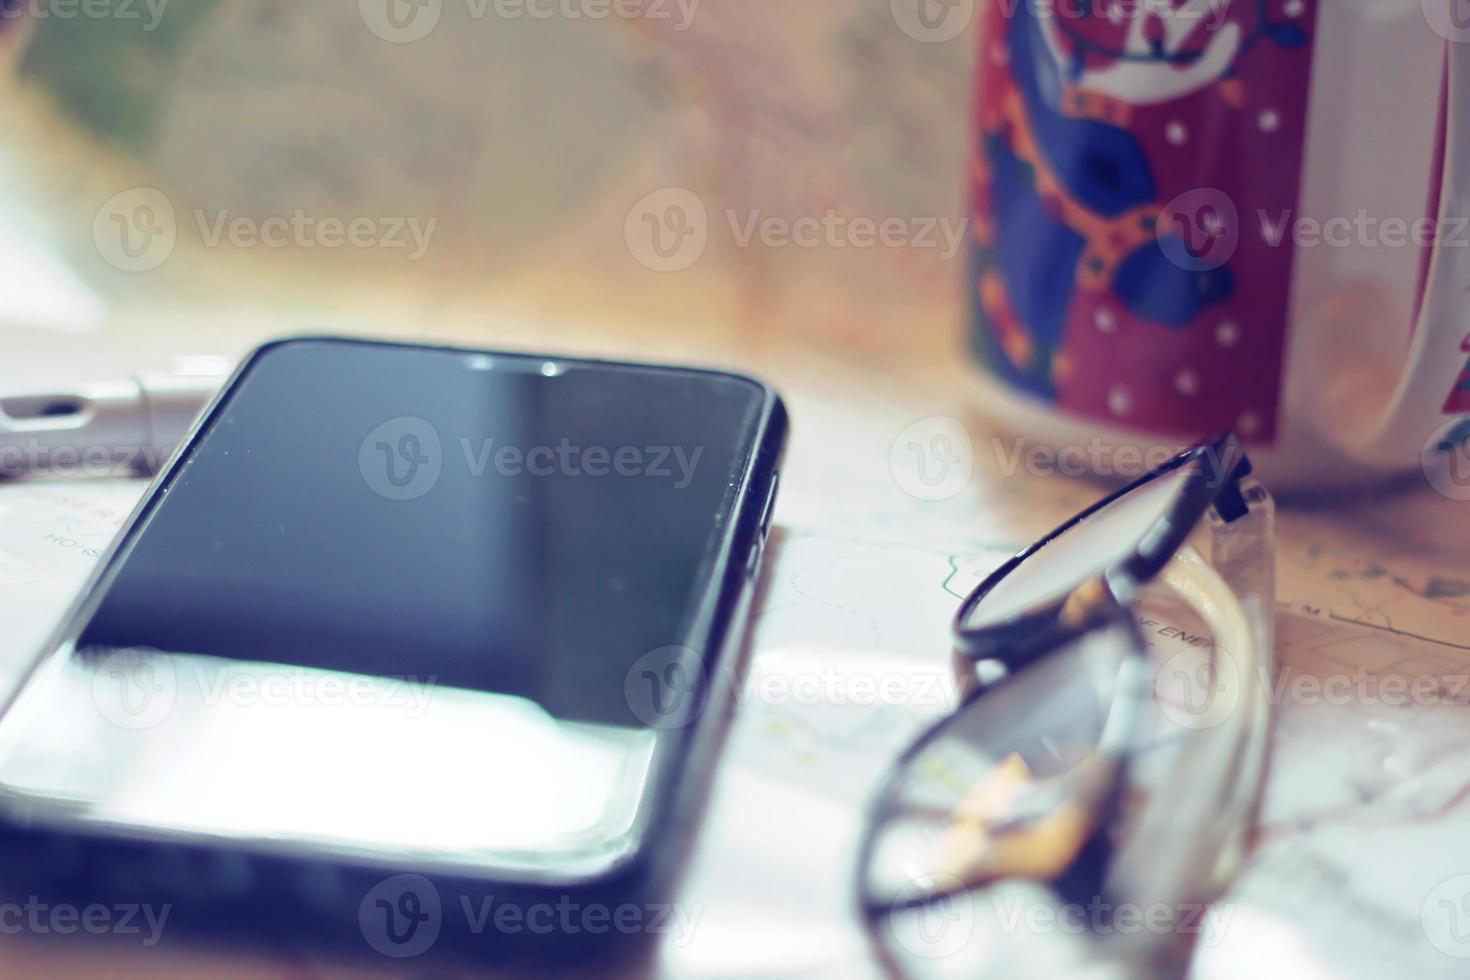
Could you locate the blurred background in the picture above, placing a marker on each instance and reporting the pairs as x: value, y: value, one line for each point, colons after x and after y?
x: 486, y: 168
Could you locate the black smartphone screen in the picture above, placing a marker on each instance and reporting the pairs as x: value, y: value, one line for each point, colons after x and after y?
x: 518, y: 526
x: 481, y: 546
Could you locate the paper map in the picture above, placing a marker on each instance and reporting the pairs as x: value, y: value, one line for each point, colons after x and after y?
x: 1361, y: 865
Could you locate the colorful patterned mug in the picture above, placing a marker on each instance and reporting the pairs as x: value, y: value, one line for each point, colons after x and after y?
x: 1199, y: 215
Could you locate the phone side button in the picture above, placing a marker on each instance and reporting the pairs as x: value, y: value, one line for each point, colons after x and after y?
x: 757, y: 555
x: 770, y: 508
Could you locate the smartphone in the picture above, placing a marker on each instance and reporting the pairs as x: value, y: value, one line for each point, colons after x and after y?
x: 395, y: 613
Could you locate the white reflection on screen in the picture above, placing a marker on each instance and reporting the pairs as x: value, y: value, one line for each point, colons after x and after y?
x: 292, y: 755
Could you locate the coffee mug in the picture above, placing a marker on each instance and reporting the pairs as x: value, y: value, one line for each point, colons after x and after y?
x: 1192, y: 216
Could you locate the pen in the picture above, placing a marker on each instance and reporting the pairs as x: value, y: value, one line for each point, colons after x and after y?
x: 132, y: 425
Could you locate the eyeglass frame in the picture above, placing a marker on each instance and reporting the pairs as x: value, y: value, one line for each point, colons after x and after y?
x: 1223, y: 490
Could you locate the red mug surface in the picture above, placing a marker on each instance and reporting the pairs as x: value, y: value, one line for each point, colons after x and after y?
x: 1195, y: 217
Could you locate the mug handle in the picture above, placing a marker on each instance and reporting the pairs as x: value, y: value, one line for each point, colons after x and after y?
x: 1440, y: 347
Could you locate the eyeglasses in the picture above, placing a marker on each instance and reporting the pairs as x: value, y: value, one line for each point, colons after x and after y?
x: 1012, y: 838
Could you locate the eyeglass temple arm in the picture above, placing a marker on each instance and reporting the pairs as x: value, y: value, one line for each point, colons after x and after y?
x: 1203, y: 832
